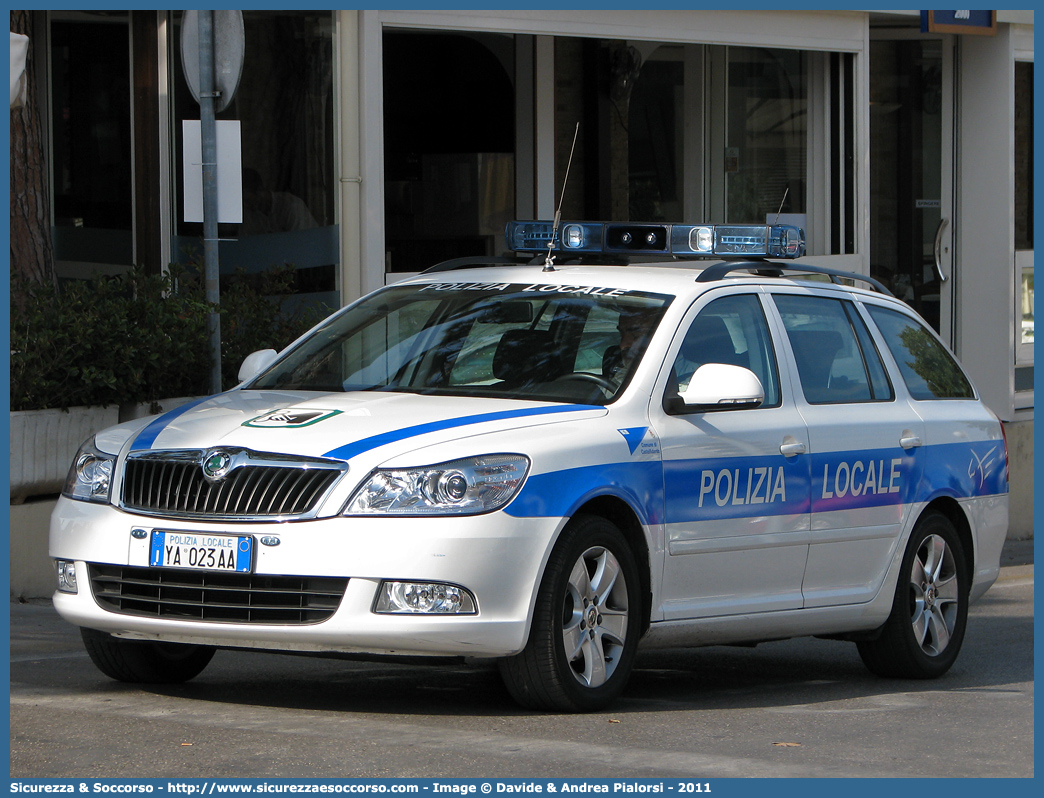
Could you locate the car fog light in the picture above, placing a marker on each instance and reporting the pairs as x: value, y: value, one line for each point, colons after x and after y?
x: 66, y: 576
x: 424, y: 598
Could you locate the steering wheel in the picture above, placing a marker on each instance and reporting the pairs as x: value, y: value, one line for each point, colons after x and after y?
x: 585, y: 376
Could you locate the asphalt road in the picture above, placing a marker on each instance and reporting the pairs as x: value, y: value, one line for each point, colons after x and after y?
x: 801, y: 708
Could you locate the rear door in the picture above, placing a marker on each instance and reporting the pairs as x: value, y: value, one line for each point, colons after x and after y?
x: 864, y: 438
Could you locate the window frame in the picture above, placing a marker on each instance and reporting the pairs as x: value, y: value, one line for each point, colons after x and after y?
x: 1023, y: 260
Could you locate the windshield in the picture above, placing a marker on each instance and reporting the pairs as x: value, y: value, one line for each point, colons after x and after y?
x: 552, y: 343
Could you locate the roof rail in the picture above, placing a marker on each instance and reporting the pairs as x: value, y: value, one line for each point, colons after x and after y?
x: 718, y: 271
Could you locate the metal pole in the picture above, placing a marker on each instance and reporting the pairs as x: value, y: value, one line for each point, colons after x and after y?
x: 208, y: 136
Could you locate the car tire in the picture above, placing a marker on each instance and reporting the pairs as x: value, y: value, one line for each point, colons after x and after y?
x: 586, y: 623
x: 924, y: 632
x: 145, y: 662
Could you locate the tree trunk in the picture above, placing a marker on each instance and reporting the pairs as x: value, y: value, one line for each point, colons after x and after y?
x: 32, y: 254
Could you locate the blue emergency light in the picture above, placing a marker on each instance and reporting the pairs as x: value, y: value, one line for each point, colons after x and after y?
x: 678, y: 240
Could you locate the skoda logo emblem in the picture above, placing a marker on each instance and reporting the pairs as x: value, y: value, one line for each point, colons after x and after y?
x: 216, y: 465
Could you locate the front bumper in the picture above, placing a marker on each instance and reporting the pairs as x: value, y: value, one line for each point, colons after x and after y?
x: 496, y: 557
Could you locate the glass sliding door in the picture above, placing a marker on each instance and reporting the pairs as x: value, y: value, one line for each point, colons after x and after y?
x: 91, y: 163
x: 911, y: 156
x: 449, y: 145
x: 285, y: 107
x: 766, y: 148
x: 672, y: 132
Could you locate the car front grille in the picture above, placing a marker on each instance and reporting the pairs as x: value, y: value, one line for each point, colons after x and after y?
x: 221, y: 597
x: 258, y: 486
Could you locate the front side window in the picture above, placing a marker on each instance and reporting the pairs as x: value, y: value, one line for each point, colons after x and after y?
x: 730, y: 330
x: 930, y: 372
x: 491, y: 340
x: 835, y: 356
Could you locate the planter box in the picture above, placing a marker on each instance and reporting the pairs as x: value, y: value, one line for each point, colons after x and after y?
x: 44, y: 442
x: 32, y: 570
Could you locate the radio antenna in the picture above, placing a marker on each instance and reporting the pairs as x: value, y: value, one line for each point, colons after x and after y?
x: 549, y: 261
x: 781, y: 202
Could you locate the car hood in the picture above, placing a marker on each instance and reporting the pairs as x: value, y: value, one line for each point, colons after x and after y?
x: 339, y: 426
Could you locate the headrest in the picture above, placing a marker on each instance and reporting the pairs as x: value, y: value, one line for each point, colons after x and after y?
x: 526, y: 356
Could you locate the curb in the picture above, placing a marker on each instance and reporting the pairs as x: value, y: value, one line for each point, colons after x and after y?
x: 1012, y: 572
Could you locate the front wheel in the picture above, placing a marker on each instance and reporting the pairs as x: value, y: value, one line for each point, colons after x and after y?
x: 923, y: 634
x: 586, y: 623
x: 143, y: 661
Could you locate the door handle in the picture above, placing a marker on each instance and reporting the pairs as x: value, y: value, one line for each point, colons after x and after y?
x: 910, y: 441
x: 938, y: 248
x: 791, y: 448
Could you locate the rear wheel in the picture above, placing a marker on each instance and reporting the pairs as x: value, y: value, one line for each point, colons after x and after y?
x: 585, y: 626
x: 923, y: 634
x: 145, y: 661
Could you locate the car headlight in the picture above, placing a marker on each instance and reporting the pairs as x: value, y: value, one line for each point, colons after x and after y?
x: 461, y: 487
x: 90, y: 478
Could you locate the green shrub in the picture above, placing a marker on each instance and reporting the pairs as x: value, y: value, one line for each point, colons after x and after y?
x: 258, y: 311
x: 139, y: 337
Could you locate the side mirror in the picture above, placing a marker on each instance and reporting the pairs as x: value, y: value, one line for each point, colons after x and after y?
x: 719, y: 386
x: 255, y: 363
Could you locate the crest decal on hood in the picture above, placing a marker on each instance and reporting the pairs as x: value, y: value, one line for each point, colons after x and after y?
x: 291, y: 417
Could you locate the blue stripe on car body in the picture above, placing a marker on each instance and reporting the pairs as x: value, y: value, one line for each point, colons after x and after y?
x: 558, y: 494
x: 705, y: 489
x: 151, y: 431
x: 735, y: 487
x: 350, y: 450
x: 685, y: 491
x: 147, y: 437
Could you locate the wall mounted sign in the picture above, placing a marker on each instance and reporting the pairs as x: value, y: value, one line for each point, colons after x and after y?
x: 229, y: 170
x: 982, y: 23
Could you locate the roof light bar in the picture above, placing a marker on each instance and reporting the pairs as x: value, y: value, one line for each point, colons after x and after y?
x: 680, y: 240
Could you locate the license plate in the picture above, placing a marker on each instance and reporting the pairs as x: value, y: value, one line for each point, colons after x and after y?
x: 201, y: 552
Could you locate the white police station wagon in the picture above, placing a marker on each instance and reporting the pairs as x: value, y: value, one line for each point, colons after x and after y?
x: 552, y: 462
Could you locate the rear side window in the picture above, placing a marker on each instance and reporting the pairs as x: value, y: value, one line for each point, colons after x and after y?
x: 837, y: 361
x: 930, y: 372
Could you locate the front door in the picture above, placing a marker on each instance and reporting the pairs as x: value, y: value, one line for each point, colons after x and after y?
x: 736, y: 482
